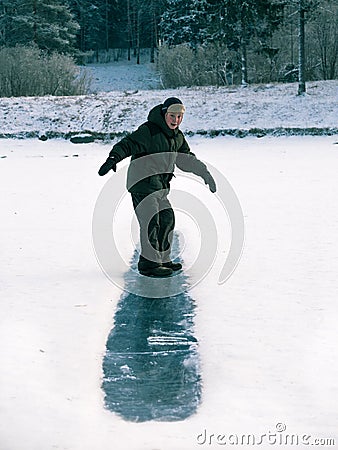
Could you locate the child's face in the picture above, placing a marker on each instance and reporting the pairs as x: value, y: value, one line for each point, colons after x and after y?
x: 173, y: 120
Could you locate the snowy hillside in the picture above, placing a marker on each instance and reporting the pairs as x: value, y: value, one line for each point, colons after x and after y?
x: 122, y: 75
x: 257, y: 107
x: 257, y: 357
x: 267, y: 338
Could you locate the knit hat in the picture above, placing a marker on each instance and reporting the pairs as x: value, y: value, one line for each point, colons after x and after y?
x: 173, y: 105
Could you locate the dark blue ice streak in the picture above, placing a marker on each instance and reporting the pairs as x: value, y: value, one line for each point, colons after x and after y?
x: 151, y: 366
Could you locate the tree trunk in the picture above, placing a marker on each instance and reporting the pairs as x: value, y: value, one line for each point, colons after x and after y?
x: 35, y: 34
x: 153, y: 35
x: 138, y: 37
x: 129, y: 29
x: 301, y: 50
x: 106, y: 26
x: 244, y: 65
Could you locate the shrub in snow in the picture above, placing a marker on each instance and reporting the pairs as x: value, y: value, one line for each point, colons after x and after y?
x: 207, y: 65
x: 29, y: 71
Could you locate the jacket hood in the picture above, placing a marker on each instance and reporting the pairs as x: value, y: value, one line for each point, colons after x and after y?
x: 155, y: 116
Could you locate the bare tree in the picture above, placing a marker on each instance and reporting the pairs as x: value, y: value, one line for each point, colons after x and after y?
x: 301, y: 48
x: 325, y: 37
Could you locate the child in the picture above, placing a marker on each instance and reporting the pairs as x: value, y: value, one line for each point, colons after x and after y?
x: 162, y: 145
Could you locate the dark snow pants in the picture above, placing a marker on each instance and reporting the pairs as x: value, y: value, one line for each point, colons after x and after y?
x: 157, y: 221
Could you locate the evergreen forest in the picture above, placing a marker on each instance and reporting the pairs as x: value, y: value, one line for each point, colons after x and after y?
x: 191, y: 42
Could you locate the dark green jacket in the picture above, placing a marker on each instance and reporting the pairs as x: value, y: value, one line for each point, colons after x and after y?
x: 162, y: 148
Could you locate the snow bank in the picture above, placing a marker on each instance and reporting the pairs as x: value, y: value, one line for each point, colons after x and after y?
x: 122, y: 75
x: 267, y: 337
x: 272, y: 108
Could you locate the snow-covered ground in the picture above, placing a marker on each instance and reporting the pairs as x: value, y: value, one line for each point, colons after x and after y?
x: 210, y: 108
x: 122, y: 75
x: 267, y: 337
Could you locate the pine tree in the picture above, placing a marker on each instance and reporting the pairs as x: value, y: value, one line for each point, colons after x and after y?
x: 178, y: 24
x: 229, y: 23
x: 324, y: 31
x: 233, y: 21
x: 99, y: 21
x: 49, y: 24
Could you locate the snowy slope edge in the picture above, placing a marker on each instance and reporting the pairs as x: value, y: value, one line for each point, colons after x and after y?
x: 91, y: 136
x: 269, y: 109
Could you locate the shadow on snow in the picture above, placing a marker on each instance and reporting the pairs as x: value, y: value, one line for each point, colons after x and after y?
x: 151, y: 365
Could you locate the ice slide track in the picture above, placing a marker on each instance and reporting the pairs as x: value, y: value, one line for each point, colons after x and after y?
x: 151, y: 366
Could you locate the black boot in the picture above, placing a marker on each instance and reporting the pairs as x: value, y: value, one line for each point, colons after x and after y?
x: 173, y: 266
x: 159, y: 272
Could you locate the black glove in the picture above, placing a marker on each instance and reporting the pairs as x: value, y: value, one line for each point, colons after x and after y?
x: 107, y: 166
x: 208, y: 179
